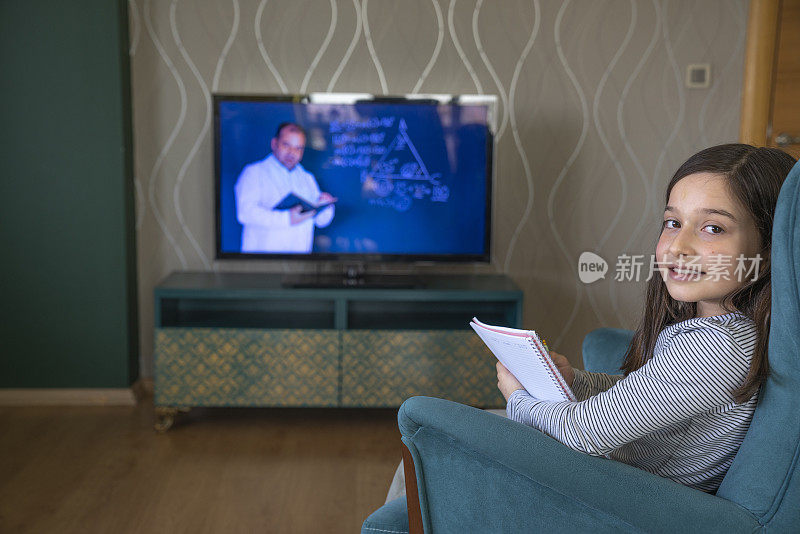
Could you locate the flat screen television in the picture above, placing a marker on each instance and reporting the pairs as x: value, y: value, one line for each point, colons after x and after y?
x: 401, y: 178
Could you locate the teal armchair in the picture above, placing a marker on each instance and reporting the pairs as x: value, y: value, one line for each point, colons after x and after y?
x: 468, y: 470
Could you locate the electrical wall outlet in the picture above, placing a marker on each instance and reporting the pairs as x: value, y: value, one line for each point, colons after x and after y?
x: 698, y: 76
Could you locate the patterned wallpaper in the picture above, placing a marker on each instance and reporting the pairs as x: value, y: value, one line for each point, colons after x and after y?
x: 594, y: 117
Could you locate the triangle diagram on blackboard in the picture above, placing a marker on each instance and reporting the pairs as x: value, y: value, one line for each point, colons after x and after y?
x: 401, y: 161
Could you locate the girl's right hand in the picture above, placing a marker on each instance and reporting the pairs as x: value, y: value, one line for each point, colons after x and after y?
x: 564, y: 367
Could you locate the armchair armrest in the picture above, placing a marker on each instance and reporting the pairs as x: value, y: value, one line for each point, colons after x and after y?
x: 478, y: 472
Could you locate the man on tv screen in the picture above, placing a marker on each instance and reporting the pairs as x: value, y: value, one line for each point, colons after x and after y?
x: 278, y: 202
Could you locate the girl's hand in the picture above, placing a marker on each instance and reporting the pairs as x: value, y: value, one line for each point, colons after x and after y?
x: 564, y: 367
x: 506, y: 382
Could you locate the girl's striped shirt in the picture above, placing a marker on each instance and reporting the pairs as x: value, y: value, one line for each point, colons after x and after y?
x: 674, y: 416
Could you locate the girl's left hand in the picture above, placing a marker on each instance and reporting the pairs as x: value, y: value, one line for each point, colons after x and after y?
x: 506, y: 382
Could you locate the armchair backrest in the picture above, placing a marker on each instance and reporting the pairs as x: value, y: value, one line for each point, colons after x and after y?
x: 764, y: 477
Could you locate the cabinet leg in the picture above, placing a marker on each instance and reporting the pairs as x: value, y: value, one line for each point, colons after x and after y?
x: 165, y: 417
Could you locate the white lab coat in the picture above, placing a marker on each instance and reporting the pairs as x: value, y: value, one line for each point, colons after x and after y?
x: 260, y: 186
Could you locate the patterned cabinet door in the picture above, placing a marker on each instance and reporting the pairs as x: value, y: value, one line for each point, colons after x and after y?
x: 246, y: 367
x: 385, y: 367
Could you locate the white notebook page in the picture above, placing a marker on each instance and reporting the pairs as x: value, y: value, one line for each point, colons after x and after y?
x: 520, y: 357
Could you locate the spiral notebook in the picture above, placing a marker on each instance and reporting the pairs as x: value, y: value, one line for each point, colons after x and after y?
x: 527, y: 357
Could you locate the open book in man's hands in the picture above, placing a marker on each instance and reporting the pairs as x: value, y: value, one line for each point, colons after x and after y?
x: 527, y: 357
x: 291, y: 200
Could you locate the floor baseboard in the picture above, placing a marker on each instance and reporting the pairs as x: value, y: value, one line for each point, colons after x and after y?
x: 67, y: 397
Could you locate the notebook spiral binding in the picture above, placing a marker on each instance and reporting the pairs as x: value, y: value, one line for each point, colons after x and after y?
x: 555, y: 376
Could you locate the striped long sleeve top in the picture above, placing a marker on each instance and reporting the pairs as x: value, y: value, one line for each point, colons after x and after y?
x: 674, y: 416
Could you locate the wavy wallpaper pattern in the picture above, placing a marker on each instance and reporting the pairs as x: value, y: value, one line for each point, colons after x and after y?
x: 594, y: 116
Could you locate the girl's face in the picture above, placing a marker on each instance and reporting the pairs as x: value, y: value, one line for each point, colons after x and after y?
x: 704, y: 234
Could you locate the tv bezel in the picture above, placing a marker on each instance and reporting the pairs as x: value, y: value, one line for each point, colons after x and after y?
x: 351, y: 98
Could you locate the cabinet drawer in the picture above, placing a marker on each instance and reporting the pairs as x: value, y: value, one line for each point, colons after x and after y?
x: 385, y: 367
x: 246, y: 367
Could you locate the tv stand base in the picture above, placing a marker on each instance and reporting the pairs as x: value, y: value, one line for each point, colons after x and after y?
x: 352, y: 280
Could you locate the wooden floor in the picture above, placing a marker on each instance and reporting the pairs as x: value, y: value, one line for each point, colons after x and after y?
x: 68, y: 469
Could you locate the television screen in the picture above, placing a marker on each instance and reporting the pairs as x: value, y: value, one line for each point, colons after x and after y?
x: 328, y: 176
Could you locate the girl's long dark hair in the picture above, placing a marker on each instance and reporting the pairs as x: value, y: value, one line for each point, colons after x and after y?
x: 755, y: 176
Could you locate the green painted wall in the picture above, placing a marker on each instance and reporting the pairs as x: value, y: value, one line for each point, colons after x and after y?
x: 67, y: 258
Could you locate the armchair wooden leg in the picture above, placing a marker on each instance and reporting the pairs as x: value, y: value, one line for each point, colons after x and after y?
x: 412, y: 495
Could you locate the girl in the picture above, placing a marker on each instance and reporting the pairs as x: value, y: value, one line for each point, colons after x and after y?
x: 692, y: 372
